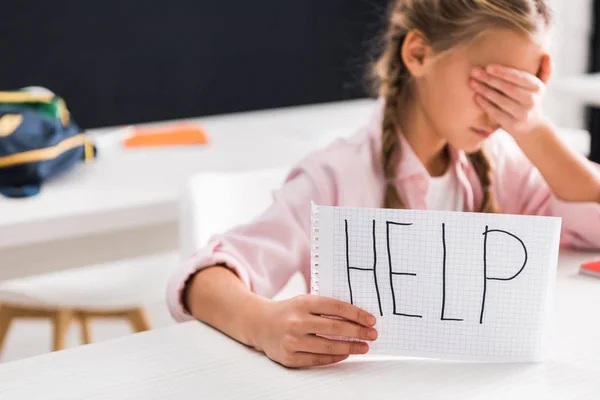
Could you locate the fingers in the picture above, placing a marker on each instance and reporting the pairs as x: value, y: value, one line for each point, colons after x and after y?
x: 516, y: 77
x: 311, y: 327
x: 337, y: 308
x: 340, y: 328
x: 506, y: 104
x: 485, y: 83
x: 493, y: 111
x: 304, y: 360
x: 320, y: 345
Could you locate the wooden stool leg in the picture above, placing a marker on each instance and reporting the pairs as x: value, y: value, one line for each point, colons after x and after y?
x: 62, y: 321
x: 139, y: 320
x: 5, y: 320
x: 86, y: 336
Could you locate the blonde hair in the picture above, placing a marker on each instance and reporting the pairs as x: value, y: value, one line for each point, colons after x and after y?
x: 445, y: 24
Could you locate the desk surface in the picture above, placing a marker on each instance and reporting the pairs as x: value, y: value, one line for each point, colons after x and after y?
x: 135, y: 188
x: 192, y: 361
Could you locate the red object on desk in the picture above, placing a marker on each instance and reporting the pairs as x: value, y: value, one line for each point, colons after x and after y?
x: 591, y: 268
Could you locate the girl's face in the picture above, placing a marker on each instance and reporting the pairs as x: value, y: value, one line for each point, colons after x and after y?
x: 445, y: 97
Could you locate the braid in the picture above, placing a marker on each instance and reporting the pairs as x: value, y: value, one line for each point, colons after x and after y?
x: 393, y: 77
x: 483, y: 169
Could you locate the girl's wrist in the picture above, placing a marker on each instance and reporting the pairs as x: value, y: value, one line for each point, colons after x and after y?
x: 535, y: 136
x: 255, y: 320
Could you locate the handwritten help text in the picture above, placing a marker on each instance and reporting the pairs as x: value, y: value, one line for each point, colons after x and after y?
x: 395, y: 270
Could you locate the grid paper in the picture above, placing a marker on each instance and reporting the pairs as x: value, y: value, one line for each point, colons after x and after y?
x: 437, y: 314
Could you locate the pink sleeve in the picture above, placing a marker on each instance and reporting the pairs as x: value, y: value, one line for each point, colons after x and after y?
x: 265, y: 253
x: 526, y: 192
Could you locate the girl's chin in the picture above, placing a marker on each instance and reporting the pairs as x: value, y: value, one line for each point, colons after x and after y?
x: 473, y: 145
x: 470, y: 148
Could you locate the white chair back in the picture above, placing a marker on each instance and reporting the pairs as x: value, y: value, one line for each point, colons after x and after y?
x: 215, y: 202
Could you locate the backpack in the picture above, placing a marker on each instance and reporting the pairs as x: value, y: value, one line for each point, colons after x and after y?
x: 38, y: 141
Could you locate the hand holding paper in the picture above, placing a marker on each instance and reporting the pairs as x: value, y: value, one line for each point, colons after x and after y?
x: 297, y: 334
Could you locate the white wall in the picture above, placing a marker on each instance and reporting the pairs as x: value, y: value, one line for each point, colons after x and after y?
x: 571, y: 38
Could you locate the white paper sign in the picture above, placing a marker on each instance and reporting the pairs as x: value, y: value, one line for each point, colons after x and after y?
x: 467, y: 286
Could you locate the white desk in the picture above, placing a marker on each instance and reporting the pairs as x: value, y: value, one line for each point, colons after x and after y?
x: 124, y: 204
x: 192, y: 361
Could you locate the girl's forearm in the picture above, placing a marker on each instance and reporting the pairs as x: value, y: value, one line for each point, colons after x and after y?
x: 217, y: 297
x: 571, y: 176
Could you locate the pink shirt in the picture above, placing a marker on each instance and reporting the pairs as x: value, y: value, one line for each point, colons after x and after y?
x: 266, y: 253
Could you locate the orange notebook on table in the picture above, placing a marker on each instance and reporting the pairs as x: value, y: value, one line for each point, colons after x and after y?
x: 170, y: 135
